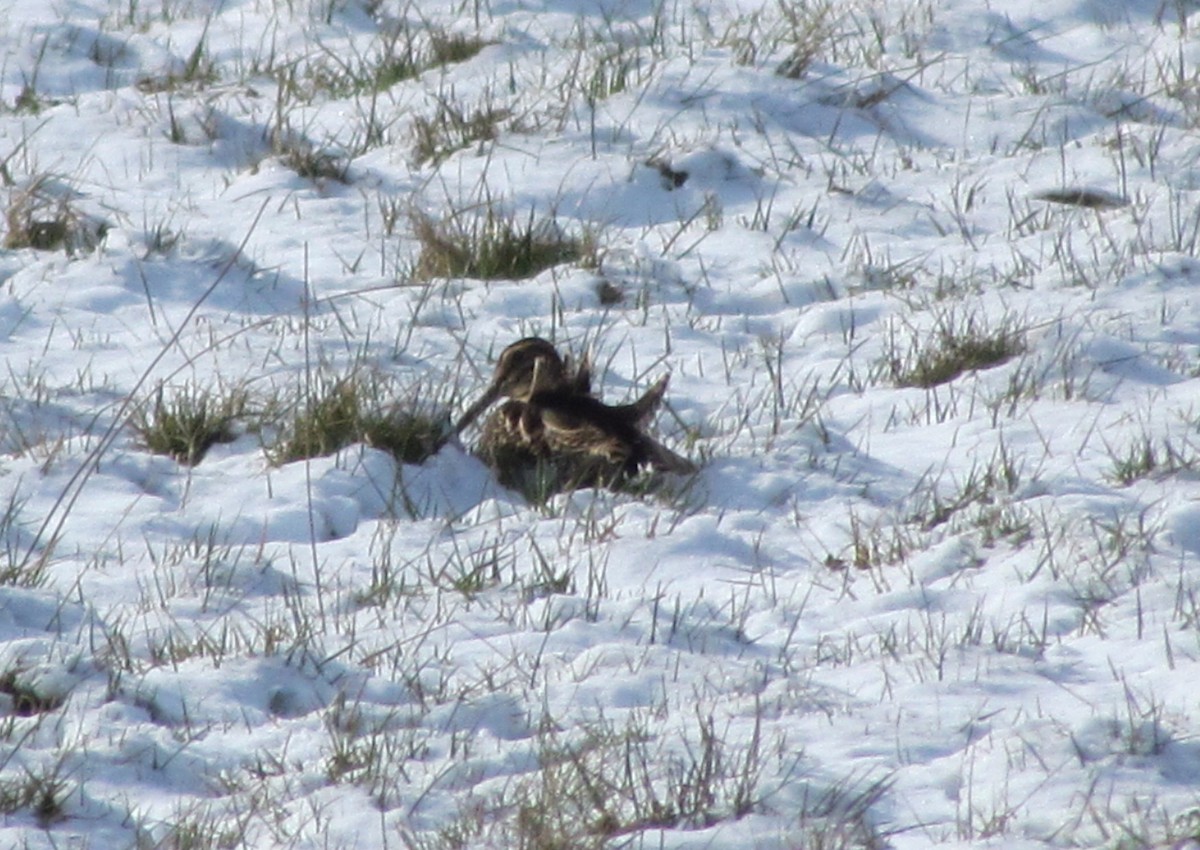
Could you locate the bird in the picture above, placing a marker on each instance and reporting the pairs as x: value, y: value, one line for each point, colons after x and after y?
x: 550, y: 416
x: 514, y: 375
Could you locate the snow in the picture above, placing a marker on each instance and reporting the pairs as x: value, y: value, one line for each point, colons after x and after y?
x: 879, y: 616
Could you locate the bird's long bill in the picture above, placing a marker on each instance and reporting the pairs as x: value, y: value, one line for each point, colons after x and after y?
x: 472, y: 412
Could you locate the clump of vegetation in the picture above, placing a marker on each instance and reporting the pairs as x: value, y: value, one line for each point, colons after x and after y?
x: 410, y: 436
x: 615, y: 71
x: 608, y: 293
x: 43, y: 793
x: 197, y: 71
x: 350, y: 409
x: 953, y: 347
x: 620, y: 780
x: 189, y: 422
x: 27, y: 699
x: 453, y: 129
x: 15, y: 570
x: 1146, y: 457
x: 808, y: 32
x: 29, y: 101
x: 447, y: 48
x: 491, y: 246
x: 308, y: 160
x: 42, y: 215
x: 394, y: 60
x: 396, y: 56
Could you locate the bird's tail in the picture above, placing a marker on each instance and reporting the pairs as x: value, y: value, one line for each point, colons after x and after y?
x: 640, y: 412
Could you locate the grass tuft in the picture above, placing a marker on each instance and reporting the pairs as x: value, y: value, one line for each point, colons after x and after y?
x: 198, y: 71
x: 447, y: 48
x: 616, y: 71
x: 620, y: 780
x: 27, y: 700
x: 312, y: 162
x: 189, y: 422
x: 398, y: 55
x: 494, y: 246
x: 1145, y: 458
x: 453, y: 128
x: 350, y: 409
x: 954, y: 346
x: 808, y: 32
x: 41, y: 215
x: 42, y: 792
x: 29, y: 101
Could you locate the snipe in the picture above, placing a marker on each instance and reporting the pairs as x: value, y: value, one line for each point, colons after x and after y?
x: 551, y: 422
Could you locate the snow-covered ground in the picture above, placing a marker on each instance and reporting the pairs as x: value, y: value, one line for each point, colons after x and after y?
x: 882, y: 615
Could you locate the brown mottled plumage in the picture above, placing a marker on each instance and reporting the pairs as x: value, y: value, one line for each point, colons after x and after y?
x: 551, y: 417
x: 514, y: 376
